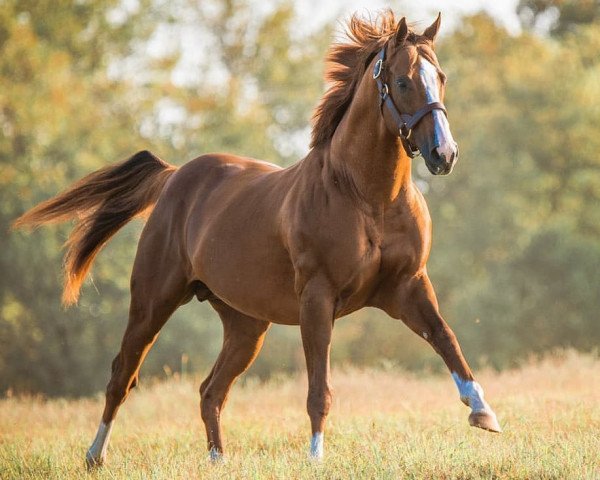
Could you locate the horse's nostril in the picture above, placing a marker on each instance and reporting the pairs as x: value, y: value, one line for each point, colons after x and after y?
x: 446, y: 154
x: 436, y: 156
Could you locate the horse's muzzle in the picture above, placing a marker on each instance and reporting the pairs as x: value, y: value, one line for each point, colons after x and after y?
x: 441, y: 160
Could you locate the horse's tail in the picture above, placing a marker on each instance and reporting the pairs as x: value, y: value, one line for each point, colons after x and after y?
x: 100, y: 203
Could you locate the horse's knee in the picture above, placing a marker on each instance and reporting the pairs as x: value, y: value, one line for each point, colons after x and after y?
x: 118, y: 387
x: 116, y: 391
x: 442, y: 337
x: 210, y: 405
x: 115, y: 364
x: 204, y: 385
x: 319, y: 402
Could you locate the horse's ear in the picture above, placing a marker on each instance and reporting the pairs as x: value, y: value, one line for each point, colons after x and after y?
x: 401, y: 31
x: 432, y: 30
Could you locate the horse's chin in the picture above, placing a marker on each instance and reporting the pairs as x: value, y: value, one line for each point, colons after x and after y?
x: 441, y: 168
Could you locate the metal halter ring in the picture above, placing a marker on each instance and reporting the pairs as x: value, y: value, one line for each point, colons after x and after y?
x: 405, y: 131
x: 378, y: 69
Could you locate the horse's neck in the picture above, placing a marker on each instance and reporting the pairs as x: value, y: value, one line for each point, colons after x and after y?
x: 367, y: 153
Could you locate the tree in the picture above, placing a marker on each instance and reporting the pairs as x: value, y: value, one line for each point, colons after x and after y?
x: 517, y: 222
x: 560, y: 16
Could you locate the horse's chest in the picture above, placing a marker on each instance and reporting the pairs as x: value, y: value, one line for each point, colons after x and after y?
x: 360, y: 281
x: 406, y: 243
x: 351, y: 263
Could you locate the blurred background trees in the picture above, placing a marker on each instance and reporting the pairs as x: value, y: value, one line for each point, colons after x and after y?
x: 516, y: 251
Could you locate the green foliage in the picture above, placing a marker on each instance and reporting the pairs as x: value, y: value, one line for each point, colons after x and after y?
x: 515, y: 252
x: 60, y: 117
x: 516, y: 229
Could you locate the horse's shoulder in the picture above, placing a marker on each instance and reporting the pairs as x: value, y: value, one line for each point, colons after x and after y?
x: 407, y: 238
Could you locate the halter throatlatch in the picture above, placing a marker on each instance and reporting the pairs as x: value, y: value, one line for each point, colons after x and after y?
x: 404, y: 122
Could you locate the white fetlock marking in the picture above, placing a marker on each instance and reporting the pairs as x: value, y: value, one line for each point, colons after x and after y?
x: 97, y: 452
x: 316, y: 446
x: 215, y: 455
x: 471, y: 394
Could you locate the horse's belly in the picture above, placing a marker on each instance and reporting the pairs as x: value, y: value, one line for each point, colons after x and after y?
x: 252, y: 275
x: 265, y: 298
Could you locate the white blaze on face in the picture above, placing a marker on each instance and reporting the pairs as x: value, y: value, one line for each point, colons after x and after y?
x: 446, y: 145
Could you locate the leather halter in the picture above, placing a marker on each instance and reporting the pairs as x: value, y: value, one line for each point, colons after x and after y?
x: 404, y: 122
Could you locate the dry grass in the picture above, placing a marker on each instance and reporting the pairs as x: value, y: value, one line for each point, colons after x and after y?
x: 383, y: 425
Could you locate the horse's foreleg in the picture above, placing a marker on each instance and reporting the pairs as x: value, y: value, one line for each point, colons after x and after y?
x: 418, y: 308
x: 243, y: 337
x: 153, y: 300
x: 316, y: 325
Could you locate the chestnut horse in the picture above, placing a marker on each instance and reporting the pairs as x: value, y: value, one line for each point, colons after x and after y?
x: 342, y: 229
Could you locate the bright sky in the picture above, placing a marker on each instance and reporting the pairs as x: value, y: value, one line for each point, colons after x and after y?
x: 316, y: 12
x: 313, y: 14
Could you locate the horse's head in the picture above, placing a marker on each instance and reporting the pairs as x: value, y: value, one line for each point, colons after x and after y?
x: 411, y: 86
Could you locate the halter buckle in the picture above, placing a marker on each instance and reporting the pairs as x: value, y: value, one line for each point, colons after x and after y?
x: 385, y: 91
x: 377, y: 69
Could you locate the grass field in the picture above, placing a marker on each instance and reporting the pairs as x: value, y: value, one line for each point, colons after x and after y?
x: 384, y: 424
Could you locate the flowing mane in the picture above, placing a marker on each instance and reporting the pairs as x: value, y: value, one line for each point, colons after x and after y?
x: 345, y: 66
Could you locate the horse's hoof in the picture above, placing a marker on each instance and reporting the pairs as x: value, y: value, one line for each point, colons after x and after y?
x: 92, y: 463
x: 486, y: 420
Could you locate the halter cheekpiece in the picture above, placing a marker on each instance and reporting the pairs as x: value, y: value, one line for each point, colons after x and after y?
x: 404, y: 122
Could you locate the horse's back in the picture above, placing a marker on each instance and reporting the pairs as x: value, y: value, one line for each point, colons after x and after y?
x: 208, y: 172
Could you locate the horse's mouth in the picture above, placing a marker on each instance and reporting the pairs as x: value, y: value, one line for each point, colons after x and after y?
x: 439, y: 168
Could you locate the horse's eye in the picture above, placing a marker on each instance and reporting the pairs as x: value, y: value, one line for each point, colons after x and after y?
x: 402, y: 83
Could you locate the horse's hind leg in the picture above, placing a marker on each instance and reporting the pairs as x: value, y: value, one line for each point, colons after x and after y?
x: 242, y: 340
x: 157, y: 289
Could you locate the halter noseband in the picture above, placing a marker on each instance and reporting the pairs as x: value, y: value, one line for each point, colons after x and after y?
x: 404, y: 121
